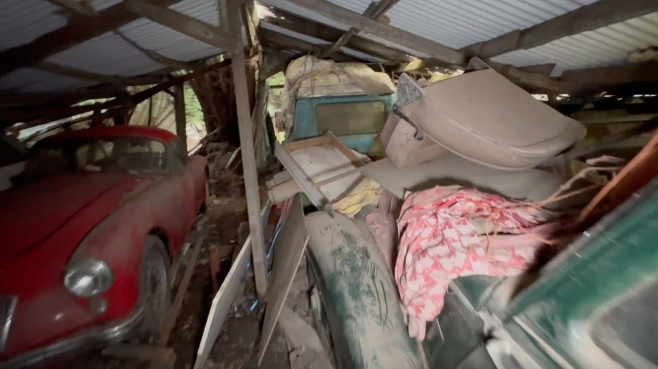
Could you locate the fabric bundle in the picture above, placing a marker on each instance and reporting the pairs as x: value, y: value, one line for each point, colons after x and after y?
x: 450, y: 232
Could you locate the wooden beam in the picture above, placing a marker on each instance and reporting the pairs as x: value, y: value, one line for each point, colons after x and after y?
x: 34, y: 99
x: 78, y: 7
x: 40, y: 116
x: 249, y: 167
x: 179, y: 112
x: 101, y: 78
x: 305, y: 26
x: 345, y: 16
x: 156, y: 57
x: 68, y: 36
x: 619, y: 74
x: 279, y: 41
x: 374, y: 11
x: 182, y: 23
x: 545, y: 69
x: 586, y: 18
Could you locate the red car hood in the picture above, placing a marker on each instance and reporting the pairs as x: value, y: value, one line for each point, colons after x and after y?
x: 33, y: 212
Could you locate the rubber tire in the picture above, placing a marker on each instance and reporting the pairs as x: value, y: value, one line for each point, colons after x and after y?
x: 154, y: 290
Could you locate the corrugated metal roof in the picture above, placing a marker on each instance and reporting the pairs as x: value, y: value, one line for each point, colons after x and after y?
x: 32, y: 80
x: 317, y: 41
x: 604, y: 46
x: 107, y: 54
x: 21, y: 21
x: 460, y: 23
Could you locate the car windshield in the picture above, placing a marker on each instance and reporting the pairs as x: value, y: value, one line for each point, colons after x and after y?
x: 135, y: 155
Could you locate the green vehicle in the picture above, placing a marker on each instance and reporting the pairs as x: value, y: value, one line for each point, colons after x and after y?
x: 594, y: 305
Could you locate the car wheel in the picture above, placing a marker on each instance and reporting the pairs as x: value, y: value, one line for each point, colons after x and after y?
x: 154, y: 291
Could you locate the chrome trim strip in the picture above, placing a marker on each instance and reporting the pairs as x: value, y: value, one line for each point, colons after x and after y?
x: 7, y: 309
x: 93, y: 335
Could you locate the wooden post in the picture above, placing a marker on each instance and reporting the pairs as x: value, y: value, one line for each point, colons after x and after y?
x: 248, y: 152
x: 179, y: 111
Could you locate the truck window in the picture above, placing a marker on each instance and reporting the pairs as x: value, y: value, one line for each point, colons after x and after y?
x: 351, y: 118
x: 626, y: 331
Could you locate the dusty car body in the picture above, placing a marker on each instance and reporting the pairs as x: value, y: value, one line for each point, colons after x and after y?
x: 74, y: 232
x: 350, y: 99
x: 591, y: 306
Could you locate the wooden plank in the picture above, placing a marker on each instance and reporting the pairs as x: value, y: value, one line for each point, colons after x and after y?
x: 298, y: 174
x: 619, y: 74
x: 375, y: 11
x: 68, y: 36
x: 354, y: 160
x: 183, y: 24
x: 637, y: 173
x: 156, y: 57
x: 222, y: 301
x: 179, y: 112
x: 302, y: 25
x: 586, y: 18
x: 545, y: 69
x: 78, y: 7
x: 101, y: 78
x: 50, y: 113
x: 288, y: 252
x: 279, y: 41
x: 249, y: 166
x: 302, y: 144
x: 172, y: 314
x: 431, y: 48
x: 396, y: 35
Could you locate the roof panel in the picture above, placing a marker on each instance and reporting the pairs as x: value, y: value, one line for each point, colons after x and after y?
x: 33, y: 80
x: 21, y: 21
x: 608, y: 45
x: 107, y: 54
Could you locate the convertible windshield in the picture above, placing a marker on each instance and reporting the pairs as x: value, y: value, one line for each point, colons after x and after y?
x: 98, y: 155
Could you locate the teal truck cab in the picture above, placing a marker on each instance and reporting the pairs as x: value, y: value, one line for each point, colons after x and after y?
x: 349, y: 98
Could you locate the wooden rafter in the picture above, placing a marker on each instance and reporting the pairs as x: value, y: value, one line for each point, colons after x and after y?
x: 100, y: 78
x: 587, y: 18
x: 82, y: 8
x: 182, y: 23
x: 156, y: 57
x: 374, y: 11
x: 51, y: 112
x: 305, y: 26
x: 435, y: 50
x: 279, y: 41
x: 76, y: 7
x: 70, y: 35
x: 614, y: 75
x: 345, y: 16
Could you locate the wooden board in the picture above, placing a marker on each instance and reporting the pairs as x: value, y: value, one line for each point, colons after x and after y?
x: 308, y: 178
x: 288, y: 252
x: 224, y: 299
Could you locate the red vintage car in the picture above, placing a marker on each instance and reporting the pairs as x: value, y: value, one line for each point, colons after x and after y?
x: 88, y: 233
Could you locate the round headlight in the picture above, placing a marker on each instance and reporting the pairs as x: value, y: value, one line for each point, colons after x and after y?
x: 88, y: 278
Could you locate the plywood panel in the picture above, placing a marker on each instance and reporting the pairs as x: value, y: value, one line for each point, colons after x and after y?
x: 288, y: 252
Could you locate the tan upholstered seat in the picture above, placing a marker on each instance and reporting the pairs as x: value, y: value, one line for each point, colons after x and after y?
x: 485, y: 118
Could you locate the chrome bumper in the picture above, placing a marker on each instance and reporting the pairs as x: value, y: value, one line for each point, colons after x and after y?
x: 85, y: 338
